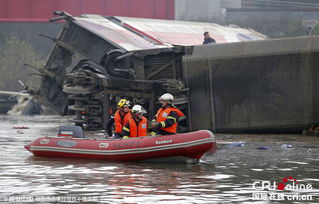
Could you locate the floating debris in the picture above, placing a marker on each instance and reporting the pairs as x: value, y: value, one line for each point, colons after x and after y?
x: 264, y: 147
x: 313, y: 130
x: 287, y: 146
x: 20, y: 127
x: 236, y: 144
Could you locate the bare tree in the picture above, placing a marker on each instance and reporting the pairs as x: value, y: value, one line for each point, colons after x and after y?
x: 14, y: 53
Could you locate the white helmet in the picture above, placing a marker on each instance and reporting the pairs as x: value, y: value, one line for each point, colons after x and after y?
x: 138, y: 109
x: 167, y: 97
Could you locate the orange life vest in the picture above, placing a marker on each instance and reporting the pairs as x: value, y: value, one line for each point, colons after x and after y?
x: 139, y: 131
x: 119, y: 121
x: 162, y: 115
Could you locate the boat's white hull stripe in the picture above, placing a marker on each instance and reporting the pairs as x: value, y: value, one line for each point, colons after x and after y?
x: 122, y: 151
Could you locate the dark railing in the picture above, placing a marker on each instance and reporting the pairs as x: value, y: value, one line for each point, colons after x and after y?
x: 273, y: 4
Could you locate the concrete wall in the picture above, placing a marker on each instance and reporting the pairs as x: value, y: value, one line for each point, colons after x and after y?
x: 230, y: 3
x: 274, y: 24
x: 204, y: 10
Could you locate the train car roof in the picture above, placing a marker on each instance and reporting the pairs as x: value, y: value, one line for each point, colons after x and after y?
x: 187, y: 32
x: 141, y: 33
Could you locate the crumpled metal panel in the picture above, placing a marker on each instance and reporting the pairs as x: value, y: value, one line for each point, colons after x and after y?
x: 116, y: 34
x: 188, y: 33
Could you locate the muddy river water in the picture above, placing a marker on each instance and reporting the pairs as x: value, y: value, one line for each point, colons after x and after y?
x: 261, y: 169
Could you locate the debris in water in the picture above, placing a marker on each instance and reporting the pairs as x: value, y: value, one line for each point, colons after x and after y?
x: 287, y: 146
x: 20, y: 127
x: 264, y: 147
x: 236, y: 144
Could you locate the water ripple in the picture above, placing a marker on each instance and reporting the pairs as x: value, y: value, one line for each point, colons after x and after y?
x: 225, y: 177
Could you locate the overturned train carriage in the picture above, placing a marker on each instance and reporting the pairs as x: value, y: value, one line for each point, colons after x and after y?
x: 250, y: 85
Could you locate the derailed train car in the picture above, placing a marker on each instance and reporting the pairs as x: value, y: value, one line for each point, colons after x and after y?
x: 231, y: 86
x: 265, y: 86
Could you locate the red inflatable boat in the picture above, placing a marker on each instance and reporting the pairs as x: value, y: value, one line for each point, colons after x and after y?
x: 188, y: 146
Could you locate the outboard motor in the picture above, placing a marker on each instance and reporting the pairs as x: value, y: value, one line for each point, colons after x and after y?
x: 73, y: 131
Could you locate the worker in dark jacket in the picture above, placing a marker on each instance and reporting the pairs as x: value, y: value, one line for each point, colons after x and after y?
x: 166, y: 118
x: 208, y: 40
x: 136, y: 125
x: 121, y: 116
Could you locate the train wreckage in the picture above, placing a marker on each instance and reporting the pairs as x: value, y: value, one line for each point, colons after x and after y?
x: 245, y: 82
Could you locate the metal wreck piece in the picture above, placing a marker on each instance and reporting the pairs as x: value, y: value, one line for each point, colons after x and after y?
x: 229, y: 86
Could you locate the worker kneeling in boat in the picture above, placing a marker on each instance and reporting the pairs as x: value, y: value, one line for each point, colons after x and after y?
x: 121, y: 116
x: 167, y: 116
x: 137, y: 124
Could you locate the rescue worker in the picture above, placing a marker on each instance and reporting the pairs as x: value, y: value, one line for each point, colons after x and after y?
x: 137, y: 124
x: 121, y: 116
x: 167, y: 116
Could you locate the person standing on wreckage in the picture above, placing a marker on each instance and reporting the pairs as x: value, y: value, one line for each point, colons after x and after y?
x: 208, y: 40
x: 166, y: 118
